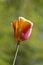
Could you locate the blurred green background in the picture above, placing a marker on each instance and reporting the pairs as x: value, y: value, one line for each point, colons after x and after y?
x: 31, y: 50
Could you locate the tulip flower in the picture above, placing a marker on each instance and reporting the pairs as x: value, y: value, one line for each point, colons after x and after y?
x: 22, y: 30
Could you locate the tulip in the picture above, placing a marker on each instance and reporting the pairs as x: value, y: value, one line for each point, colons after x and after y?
x: 22, y: 28
x: 22, y: 31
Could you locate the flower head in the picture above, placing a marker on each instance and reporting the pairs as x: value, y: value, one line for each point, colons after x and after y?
x: 22, y: 28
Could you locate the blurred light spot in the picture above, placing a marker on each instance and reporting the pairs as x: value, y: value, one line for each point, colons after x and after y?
x: 3, y: 0
x: 35, y: 48
x: 41, y: 35
x: 33, y: 60
x: 41, y: 26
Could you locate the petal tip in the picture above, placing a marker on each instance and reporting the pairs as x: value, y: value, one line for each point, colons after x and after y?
x: 32, y: 24
x: 11, y: 23
x: 22, y: 18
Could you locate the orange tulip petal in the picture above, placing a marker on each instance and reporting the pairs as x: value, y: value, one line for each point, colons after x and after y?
x: 24, y: 24
x: 14, y: 24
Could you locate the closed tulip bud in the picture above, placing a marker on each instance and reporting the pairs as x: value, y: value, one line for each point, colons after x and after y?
x: 22, y: 28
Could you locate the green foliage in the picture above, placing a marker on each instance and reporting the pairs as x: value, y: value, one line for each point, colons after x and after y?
x: 31, y: 50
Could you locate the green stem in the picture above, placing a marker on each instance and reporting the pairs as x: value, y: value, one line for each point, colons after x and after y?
x: 16, y: 52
